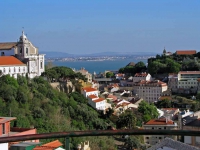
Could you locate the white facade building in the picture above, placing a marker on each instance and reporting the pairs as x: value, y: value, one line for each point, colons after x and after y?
x: 92, y: 95
x: 89, y: 91
x: 27, y: 53
x: 188, y: 79
x: 141, y: 76
x: 96, y: 102
x: 12, y: 66
x: 150, y: 91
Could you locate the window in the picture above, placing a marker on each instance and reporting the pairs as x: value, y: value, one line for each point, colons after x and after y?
x: 26, y: 50
x: 152, y: 127
x: 4, y: 70
x: 160, y: 137
x: 3, y: 128
x: 20, y: 51
x: 2, y: 54
x: 41, y: 64
x: 14, y: 69
x: 147, y: 137
x: 9, y: 70
x: 19, y: 69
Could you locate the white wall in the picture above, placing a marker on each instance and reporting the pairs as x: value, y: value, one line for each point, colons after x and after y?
x: 14, y: 70
x: 3, y: 146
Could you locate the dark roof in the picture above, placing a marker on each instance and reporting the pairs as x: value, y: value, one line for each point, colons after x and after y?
x: 7, y: 45
x: 167, y: 142
x: 195, y: 123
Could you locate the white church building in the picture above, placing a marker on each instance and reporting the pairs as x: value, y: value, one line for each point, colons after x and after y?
x: 21, y: 58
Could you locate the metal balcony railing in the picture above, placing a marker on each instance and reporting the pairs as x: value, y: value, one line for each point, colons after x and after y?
x: 69, y: 134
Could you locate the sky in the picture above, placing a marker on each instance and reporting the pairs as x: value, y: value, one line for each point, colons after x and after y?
x: 93, y: 26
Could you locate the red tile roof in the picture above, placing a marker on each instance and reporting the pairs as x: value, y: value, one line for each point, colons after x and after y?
x: 92, y: 96
x: 159, y: 122
x: 122, y: 104
x: 186, y: 52
x: 112, y: 96
x: 49, y: 146
x: 140, y: 75
x: 150, y: 83
x: 7, y: 46
x: 6, y: 119
x: 10, y: 61
x: 89, y: 89
x: 98, y: 100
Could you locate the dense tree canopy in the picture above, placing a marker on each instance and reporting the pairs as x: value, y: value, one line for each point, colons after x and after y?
x: 149, y: 111
x: 139, y: 67
x: 164, y: 65
x: 36, y: 104
x: 56, y: 73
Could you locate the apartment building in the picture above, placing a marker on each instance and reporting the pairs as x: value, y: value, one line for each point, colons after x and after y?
x: 141, y: 76
x: 149, y: 90
x: 96, y: 102
x: 158, y: 124
x: 188, y: 79
x: 85, y: 73
x: 173, y: 81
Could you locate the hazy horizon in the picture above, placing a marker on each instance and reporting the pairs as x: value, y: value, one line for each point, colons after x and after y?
x: 85, y: 27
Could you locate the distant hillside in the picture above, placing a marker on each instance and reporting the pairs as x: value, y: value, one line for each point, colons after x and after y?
x: 57, y: 54
x: 63, y: 54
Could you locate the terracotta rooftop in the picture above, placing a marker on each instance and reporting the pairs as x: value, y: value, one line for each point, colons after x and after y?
x: 122, y: 104
x: 7, y: 45
x: 89, y: 89
x: 10, y: 60
x: 140, y: 75
x: 159, y: 122
x: 150, y: 83
x: 6, y: 119
x: 92, y: 96
x: 98, y: 100
x: 112, y: 96
x: 119, y: 75
x: 49, y: 146
x: 186, y: 52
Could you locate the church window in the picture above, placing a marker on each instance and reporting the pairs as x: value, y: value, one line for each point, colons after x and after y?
x: 20, y: 51
x: 41, y: 64
x: 26, y: 50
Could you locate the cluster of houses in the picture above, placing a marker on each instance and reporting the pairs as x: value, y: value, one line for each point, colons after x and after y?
x: 142, y: 86
x: 22, y: 58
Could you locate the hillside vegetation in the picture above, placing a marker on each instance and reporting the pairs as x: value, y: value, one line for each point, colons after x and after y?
x: 36, y: 104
